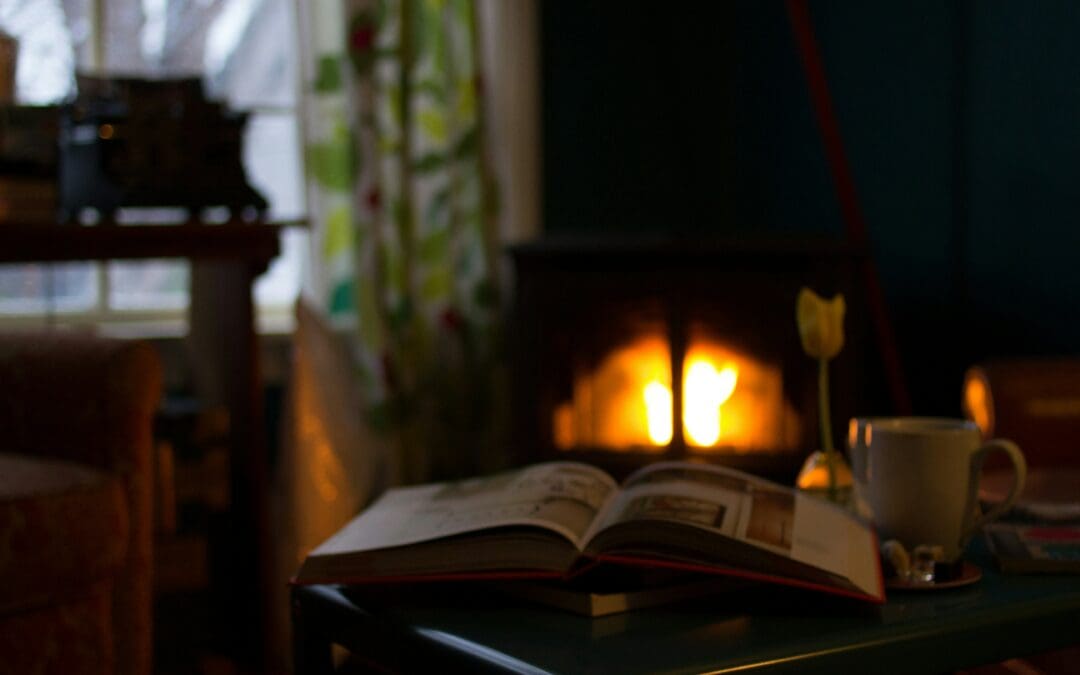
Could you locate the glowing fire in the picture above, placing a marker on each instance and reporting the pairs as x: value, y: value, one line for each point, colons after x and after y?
x: 705, y: 389
x: 729, y: 400
x: 658, y: 412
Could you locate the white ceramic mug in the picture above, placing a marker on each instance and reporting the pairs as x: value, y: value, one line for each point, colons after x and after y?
x: 856, y: 446
x: 922, y: 480
x: 857, y: 455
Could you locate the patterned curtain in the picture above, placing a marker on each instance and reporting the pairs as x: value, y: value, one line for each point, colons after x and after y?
x: 403, y: 208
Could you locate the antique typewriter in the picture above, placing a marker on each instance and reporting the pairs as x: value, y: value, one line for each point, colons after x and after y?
x: 129, y: 142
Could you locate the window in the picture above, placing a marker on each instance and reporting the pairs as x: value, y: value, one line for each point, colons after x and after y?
x: 245, y: 53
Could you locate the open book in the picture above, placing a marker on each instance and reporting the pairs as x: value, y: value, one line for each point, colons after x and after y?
x: 560, y: 518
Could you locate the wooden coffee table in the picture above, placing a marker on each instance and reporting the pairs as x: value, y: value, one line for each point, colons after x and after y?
x: 761, y: 629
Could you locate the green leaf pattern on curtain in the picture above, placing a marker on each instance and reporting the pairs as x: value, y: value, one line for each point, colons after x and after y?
x: 329, y: 150
x: 395, y: 159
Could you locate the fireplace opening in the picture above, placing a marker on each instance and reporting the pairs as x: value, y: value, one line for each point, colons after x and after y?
x: 725, y: 401
x: 625, y: 353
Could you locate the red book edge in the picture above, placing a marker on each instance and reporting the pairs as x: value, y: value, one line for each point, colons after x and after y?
x: 741, y: 573
x: 509, y: 575
x: 428, y: 578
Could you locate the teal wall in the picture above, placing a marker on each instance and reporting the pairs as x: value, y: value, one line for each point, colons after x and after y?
x: 1022, y: 140
x: 961, y: 122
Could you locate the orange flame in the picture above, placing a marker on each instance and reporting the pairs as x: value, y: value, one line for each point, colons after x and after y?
x: 658, y: 412
x: 705, y: 389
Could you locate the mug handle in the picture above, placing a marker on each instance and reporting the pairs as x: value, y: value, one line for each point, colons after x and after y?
x: 1020, y: 469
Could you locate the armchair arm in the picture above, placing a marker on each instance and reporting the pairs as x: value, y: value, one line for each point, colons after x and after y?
x: 91, y: 400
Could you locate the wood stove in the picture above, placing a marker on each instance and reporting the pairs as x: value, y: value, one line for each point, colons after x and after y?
x: 627, y: 352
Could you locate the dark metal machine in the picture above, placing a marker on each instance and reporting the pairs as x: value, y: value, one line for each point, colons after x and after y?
x: 128, y: 142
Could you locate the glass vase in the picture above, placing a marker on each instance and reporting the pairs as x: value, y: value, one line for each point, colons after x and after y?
x: 814, y: 478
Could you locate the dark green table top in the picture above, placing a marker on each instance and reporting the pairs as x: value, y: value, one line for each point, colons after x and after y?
x: 760, y: 629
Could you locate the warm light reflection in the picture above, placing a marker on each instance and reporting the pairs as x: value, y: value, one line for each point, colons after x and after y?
x: 564, y: 426
x: 977, y: 403
x: 658, y: 410
x: 705, y: 389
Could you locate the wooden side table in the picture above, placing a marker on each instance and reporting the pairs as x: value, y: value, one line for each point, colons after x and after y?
x: 758, y: 630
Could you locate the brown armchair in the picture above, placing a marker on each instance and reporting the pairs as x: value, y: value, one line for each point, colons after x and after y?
x: 76, y: 416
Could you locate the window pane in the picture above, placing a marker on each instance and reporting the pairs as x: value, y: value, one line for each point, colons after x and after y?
x: 149, y: 285
x: 42, y: 289
x: 281, y: 284
x: 153, y: 285
x: 251, y: 56
x: 46, y: 61
x: 272, y: 161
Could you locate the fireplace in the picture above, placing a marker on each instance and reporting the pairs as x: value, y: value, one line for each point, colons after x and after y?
x: 626, y: 352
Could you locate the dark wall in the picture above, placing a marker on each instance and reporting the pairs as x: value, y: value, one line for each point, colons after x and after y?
x: 622, y: 86
x: 1022, y: 142
x: 961, y: 123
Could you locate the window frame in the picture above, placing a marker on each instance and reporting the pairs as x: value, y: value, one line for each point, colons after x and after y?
x: 272, y: 317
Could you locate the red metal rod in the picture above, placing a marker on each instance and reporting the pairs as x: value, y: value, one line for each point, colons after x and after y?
x: 854, y: 222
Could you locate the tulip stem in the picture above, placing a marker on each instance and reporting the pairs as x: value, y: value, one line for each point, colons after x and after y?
x: 826, y: 424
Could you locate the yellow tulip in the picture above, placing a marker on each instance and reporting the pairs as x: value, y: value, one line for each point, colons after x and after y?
x: 821, y: 324
x: 821, y: 330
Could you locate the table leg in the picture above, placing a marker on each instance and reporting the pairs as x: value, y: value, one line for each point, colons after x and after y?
x: 224, y: 353
x: 312, y: 654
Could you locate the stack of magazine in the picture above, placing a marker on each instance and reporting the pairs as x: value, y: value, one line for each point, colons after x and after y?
x: 1041, y: 532
x: 1033, y: 548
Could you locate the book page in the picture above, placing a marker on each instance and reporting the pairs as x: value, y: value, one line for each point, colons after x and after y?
x: 763, y: 514
x: 686, y: 493
x: 831, y: 538
x: 564, y: 497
